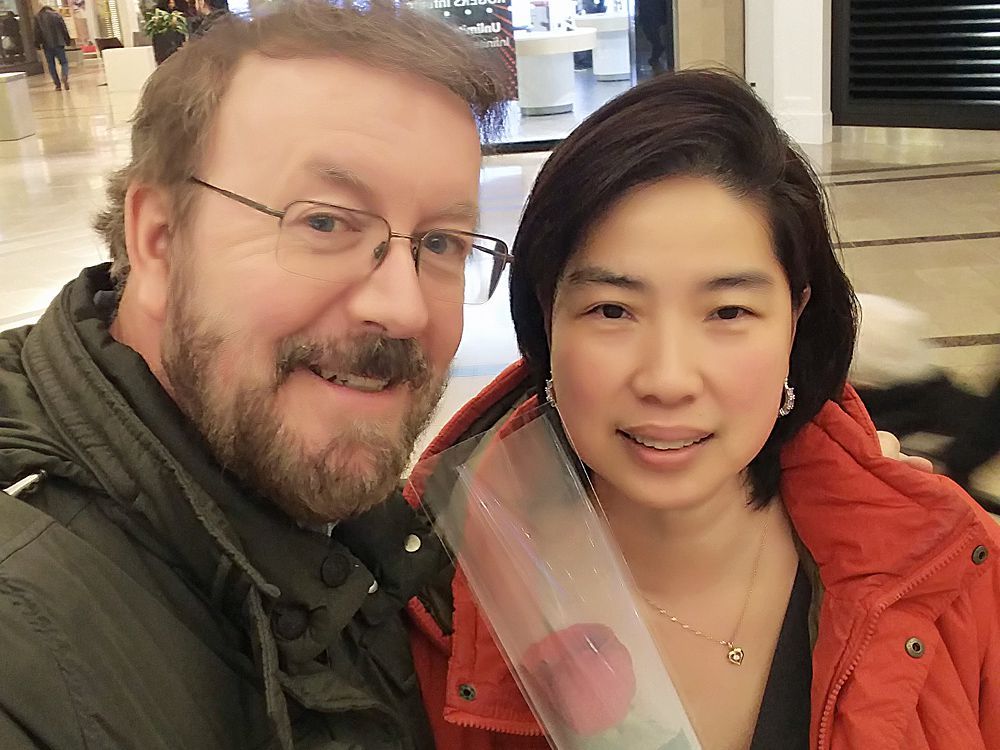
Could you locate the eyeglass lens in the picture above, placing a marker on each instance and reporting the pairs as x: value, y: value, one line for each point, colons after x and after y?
x: 342, y: 245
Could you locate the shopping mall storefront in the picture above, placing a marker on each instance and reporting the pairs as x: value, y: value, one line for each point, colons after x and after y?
x: 17, y: 48
x: 565, y: 58
x: 86, y: 21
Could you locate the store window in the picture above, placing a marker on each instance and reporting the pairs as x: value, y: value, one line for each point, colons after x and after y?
x: 563, y: 58
x: 15, y: 35
x: 566, y: 58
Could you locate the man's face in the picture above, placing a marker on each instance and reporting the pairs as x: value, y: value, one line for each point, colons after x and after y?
x: 313, y: 392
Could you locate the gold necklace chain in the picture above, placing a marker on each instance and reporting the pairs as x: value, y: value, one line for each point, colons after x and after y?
x: 735, y: 654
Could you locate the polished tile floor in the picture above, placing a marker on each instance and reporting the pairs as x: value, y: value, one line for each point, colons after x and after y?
x: 918, y: 214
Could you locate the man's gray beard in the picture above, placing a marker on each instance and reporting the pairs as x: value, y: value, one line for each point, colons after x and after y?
x: 245, y: 433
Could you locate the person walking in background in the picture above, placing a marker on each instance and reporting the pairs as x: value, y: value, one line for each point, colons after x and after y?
x: 52, y: 36
x: 655, y: 18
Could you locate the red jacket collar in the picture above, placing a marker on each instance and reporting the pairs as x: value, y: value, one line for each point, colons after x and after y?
x: 868, y: 521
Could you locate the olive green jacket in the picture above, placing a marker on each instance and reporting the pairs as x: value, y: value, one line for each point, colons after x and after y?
x: 149, y: 602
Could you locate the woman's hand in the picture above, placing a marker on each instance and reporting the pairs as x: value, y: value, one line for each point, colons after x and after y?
x: 891, y: 449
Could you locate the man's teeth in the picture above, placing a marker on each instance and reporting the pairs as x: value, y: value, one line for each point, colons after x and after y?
x: 664, y: 445
x: 357, y: 382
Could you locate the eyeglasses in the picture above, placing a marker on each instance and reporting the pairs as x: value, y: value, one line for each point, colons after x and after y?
x: 343, y: 245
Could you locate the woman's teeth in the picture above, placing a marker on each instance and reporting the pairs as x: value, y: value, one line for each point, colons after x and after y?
x: 665, y: 445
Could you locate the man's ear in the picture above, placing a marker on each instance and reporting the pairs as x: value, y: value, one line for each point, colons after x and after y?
x: 147, y: 240
x: 800, y: 308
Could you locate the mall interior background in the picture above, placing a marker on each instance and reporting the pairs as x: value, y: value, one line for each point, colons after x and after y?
x: 896, y: 102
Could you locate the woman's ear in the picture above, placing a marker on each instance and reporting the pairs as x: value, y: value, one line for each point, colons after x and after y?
x: 548, y: 311
x: 799, y: 309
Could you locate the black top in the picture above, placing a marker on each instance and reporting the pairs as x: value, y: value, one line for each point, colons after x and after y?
x: 783, y: 721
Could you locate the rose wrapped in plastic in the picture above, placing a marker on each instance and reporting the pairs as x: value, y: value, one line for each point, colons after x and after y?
x: 585, y: 675
x: 552, y: 584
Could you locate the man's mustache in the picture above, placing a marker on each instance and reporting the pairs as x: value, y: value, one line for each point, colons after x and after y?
x: 398, y: 361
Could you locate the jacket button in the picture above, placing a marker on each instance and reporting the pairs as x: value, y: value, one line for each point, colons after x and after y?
x: 915, y: 648
x: 335, y: 570
x: 413, y: 543
x: 290, y: 621
x: 979, y: 555
x: 466, y: 692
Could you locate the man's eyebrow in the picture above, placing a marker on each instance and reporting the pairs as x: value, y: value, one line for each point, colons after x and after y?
x: 346, y: 178
x: 464, y: 211
x: 742, y: 280
x: 588, y: 275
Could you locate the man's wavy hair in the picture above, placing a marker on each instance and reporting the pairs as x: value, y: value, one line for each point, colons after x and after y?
x: 179, y: 102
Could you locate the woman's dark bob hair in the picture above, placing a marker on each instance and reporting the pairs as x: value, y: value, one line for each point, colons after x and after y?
x: 705, y: 124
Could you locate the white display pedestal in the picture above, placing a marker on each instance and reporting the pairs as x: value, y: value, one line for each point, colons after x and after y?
x: 612, y: 58
x: 127, y: 68
x: 17, y: 120
x: 545, y: 80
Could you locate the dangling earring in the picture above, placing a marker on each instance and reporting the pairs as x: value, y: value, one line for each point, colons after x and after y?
x: 550, y: 393
x: 787, y: 400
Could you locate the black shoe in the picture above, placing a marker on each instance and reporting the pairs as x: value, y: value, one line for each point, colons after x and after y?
x: 66, y: 85
x: 58, y: 87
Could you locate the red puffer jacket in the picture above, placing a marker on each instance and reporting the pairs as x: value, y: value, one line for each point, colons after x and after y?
x: 901, y: 555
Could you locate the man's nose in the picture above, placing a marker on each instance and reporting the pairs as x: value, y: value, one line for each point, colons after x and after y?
x: 391, y: 296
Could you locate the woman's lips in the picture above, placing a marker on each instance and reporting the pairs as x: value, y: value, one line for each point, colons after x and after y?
x: 663, y: 454
x: 665, y: 438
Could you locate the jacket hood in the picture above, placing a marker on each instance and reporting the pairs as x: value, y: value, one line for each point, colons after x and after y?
x: 870, y: 522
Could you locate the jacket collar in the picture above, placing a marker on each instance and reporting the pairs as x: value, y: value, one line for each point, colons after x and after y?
x: 871, y: 523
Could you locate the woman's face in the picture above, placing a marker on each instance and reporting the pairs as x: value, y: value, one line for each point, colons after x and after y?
x: 671, y: 333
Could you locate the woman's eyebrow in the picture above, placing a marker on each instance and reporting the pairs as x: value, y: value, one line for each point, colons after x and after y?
x: 588, y: 275
x: 742, y: 280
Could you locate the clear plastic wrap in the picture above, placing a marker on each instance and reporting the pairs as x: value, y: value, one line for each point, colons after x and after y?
x: 517, y: 513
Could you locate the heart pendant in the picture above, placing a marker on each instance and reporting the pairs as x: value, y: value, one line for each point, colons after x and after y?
x: 736, y: 656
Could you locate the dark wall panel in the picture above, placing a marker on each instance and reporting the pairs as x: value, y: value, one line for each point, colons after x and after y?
x: 913, y: 63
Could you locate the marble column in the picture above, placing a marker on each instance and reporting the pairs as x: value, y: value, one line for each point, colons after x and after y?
x: 788, y: 61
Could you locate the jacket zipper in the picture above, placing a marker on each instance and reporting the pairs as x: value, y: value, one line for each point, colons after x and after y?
x: 487, y: 727
x: 824, y: 722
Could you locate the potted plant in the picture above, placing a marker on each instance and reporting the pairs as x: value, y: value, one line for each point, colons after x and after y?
x: 168, y: 30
